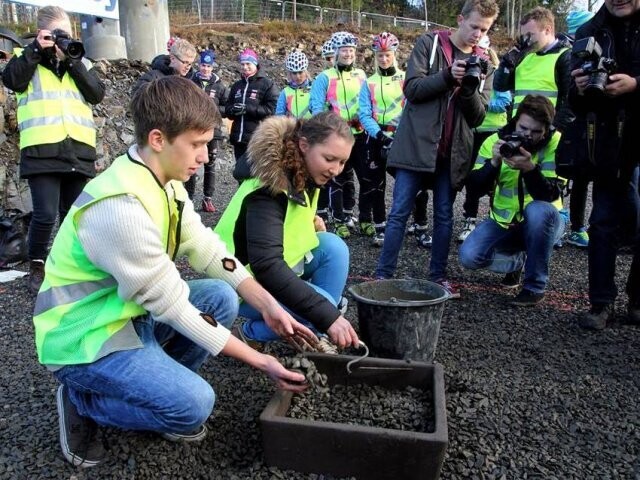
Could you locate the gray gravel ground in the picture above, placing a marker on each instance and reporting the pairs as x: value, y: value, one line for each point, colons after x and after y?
x: 529, y: 395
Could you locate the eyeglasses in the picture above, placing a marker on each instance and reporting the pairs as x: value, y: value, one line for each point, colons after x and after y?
x: 182, y: 61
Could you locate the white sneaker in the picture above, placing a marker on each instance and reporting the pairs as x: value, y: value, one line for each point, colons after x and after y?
x: 468, y: 226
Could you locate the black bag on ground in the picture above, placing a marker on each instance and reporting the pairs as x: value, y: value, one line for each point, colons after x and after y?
x: 572, y: 154
x: 13, y: 237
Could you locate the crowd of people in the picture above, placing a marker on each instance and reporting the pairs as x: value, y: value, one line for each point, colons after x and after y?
x: 125, y: 334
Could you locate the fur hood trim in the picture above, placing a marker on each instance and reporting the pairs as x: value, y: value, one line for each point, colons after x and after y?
x: 266, y: 151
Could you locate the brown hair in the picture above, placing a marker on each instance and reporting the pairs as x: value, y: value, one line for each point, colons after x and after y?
x: 537, y: 107
x: 47, y: 15
x: 315, y: 130
x: 542, y: 16
x: 173, y: 105
x: 485, y: 8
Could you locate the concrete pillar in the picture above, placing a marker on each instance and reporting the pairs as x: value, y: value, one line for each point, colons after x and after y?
x: 101, y: 38
x: 145, y: 26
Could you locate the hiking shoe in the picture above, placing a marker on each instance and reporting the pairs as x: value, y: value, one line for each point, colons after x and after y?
x: 349, y: 220
x: 579, y: 239
x: 367, y: 229
x: 378, y: 239
x: 207, y: 205
x: 342, y: 230
x: 78, y: 434
x: 237, y: 332
x: 36, y: 275
x: 194, y: 436
x: 511, y: 280
x: 416, y: 228
x: 343, y: 304
x: 526, y: 298
x: 468, y: 226
x: 326, y: 346
x: 425, y: 240
x: 597, y: 317
x: 451, y: 289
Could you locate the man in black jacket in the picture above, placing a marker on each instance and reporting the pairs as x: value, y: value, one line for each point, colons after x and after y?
x: 57, y: 133
x: 613, y: 118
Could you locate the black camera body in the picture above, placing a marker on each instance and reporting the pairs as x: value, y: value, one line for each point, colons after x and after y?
x: 474, y: 69
x: 512, y: 143
x: 524, y: 43
x: 597, y: 67
x: 70, y: 47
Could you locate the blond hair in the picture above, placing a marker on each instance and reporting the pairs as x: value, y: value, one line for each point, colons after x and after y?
x: 182, y: 48
x: 48, y: 15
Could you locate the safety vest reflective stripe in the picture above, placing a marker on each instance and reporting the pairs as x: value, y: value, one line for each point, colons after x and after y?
x: 387, y: 98
x: 65, y: 294
x: 345, y: 101
x: 297, y: 102
x: 536, y: 75
x: 52, y: 109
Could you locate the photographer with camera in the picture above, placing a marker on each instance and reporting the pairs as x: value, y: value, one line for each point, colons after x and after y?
x: 539, y: 62
x: 55, y: 88
x: 524, y: 221
x: 609, y: 104
x: 445, y: 99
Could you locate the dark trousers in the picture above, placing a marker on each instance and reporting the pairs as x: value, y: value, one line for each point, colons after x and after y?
x: 616, y: 204
x: 342, y: 189
x: 472, y: 197
x: 578, y: 202
x: 371, y: 170
x: 209, y: 173
x: 420, y: 208
x: 52, y: 195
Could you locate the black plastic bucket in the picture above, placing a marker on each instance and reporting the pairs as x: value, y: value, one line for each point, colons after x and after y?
x: 400, y: 318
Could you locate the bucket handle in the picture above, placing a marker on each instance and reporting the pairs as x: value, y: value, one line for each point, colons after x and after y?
x: 361, y: 344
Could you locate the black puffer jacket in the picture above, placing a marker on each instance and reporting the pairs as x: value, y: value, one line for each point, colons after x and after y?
x: 217, y: 91
x: 613, y: 155
x: 260, y: 95
x: 69, y: 155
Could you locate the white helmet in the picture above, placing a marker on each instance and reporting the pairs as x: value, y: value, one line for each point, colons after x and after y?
x: 343, y: 39
x: 296, y: 62
x: 327, y: 49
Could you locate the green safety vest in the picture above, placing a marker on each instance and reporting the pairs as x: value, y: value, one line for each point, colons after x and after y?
x: 506, y: 208
x: 535, y: 75
x: 387, y: 98
x: 343, y: 95
x: 78, y: 315
x: 493, y: 120
x: 297, y: 102
x: 299, y: 233
x: 52, y: 109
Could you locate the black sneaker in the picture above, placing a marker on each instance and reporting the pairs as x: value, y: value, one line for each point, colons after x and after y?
x: 527, y: 298
x: 511, y: 280
x: 195, y: 436
x: 78, y: 434
x: 597, y: 318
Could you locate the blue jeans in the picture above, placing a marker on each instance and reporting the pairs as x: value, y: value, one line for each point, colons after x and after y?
x: 155, y: 387
x: 528, y: 244
x: 326, y: 273
x: 616, y: 204
x: 407, y: 185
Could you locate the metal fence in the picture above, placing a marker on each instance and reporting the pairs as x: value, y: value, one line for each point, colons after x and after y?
x: 190, y: 12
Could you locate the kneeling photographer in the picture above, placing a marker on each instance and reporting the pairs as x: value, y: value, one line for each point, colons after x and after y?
x: 604, y: 94
x: 524, y: 221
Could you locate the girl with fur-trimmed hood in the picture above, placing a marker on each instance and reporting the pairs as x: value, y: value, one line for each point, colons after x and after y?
x: 272, y: 226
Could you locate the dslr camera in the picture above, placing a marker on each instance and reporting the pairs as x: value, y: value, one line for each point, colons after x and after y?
x: 597, y: 67
x: 512, y: 143
x: 70, y: 47
x: 476, y: 67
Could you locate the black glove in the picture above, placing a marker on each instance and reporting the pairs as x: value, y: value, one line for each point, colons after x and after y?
x: 238, y: 109
x: 385, y: 140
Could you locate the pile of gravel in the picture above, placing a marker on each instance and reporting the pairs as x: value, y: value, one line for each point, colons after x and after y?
x: 529, y: 394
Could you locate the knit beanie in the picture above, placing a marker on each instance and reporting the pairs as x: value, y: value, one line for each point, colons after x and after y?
x: 248, y: 56
x: 207, y: 57
x: 575, y: 19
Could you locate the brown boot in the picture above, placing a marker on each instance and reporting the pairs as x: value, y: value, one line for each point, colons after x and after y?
x: 36, y: 275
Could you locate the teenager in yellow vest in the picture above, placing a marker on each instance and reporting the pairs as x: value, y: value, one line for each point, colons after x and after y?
x: 57, y: 133
x: 294, y: 98
x: 271, y: 226
x: 114, y: 321
x: 524, y: 221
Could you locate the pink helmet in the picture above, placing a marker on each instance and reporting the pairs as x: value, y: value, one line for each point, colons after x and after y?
x: 385, y: 42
